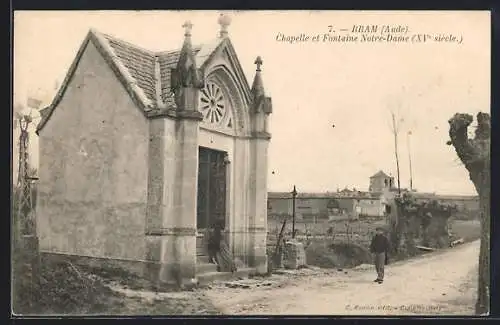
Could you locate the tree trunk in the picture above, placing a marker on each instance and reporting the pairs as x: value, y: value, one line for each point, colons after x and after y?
x: 475, y: 155
x: 483, y: 295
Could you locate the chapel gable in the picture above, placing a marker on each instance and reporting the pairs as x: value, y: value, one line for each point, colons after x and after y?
x: 226, y: 101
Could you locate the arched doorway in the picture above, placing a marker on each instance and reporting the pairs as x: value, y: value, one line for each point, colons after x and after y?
x: 212, y: 193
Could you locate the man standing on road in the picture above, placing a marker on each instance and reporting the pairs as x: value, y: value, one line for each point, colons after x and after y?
x: 379, y: 247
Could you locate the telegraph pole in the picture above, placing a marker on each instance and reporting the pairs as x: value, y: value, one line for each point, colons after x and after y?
x: 409, y: 159
x: 395, y: 130
x: 294, y: 196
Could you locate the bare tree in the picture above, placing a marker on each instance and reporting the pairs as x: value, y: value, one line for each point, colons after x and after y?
x: 475, y: 155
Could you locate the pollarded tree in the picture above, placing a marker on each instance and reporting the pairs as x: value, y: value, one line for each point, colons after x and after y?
x: 475, y: 155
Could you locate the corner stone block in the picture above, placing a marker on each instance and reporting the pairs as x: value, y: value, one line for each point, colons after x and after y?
x: 178, y: 263
x: 258, y: 252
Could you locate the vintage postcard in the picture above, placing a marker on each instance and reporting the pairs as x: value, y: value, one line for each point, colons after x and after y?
x: 251, y: 163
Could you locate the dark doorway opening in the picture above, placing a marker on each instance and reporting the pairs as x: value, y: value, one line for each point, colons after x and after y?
x: 212, y: 189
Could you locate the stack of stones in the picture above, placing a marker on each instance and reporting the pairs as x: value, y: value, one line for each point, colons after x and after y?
x: 294, y: 255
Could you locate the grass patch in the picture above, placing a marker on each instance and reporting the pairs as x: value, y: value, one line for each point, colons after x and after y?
x: 61, y: 289
x: 67, y: 289
x: 119, y: 276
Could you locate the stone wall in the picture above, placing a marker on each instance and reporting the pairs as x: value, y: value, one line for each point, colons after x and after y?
x: 93, y: 168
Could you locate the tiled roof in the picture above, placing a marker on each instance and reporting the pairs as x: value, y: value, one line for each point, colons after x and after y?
x: 145, y: 74
x: 380, y: 174
x: 304, y: 195
x: 322, y: 195
x: 140, y: 63
x: 136, y: 68
x: 436, y: 196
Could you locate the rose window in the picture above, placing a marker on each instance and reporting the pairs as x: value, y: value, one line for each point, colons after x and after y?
x: 212, y: 104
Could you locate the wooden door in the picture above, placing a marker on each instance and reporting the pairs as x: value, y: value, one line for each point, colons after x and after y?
x: 211, y: 205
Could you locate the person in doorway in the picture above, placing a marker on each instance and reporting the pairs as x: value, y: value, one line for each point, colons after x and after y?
x: 224, y: 258
x: 379, y: 247
x: 214, y: 239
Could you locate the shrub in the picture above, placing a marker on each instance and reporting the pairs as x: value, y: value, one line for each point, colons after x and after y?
x: 330, y: 255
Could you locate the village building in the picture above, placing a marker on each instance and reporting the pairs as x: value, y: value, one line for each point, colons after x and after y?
x: 381, y: 182
x: 141, y: 151
x: 326, y: 206
x: 376, y: 202
x: 462, y: 203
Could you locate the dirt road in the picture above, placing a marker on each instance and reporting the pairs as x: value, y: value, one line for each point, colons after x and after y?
x: 441, y: 283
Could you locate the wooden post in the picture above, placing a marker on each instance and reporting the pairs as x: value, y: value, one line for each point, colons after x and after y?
x: 278, y: 242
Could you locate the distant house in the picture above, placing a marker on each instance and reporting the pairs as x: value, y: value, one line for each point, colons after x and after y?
x: 325, y: 206
x: 381, y: 182
x: 307, y: 205
x: 369, y: 207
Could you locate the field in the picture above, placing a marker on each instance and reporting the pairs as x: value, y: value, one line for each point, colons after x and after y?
x: 342, y: 244
x: 331, y: 244
x: 359, y: 231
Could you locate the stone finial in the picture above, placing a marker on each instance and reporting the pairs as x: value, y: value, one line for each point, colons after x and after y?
x: 224, y: 21
x: 185, y: 74
x: 258, y: 62
x: 258, y: 84
x: 188, y: 26
x: 261, y: 102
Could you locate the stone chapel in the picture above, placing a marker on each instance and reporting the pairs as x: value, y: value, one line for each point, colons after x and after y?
x: 141, y: 151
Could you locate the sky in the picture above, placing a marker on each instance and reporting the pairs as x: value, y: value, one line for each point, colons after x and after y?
x: 332, y: 101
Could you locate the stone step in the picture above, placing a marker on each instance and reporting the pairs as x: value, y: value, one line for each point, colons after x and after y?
x: 208, y: 277
x: 202, y: 267
x: 202, y: 259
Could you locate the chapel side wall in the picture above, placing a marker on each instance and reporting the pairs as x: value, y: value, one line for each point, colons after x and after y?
x: 130, y: 175
x: 93, y: 168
